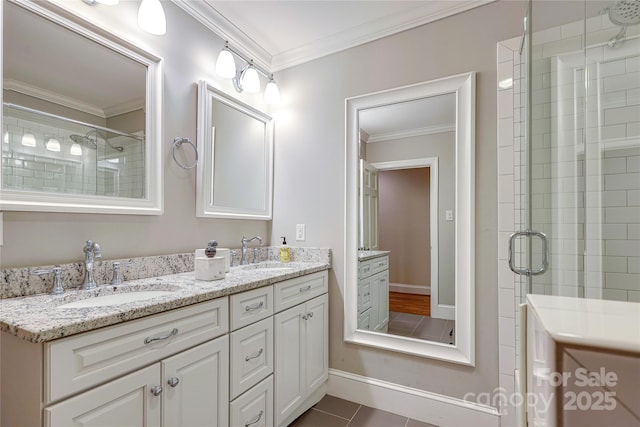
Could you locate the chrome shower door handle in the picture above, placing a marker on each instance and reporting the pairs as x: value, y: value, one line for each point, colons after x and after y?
x: 545, y: 253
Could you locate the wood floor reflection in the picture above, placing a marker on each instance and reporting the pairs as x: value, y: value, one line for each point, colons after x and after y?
x: 410, y: 303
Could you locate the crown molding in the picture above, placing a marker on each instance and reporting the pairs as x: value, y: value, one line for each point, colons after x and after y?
x: 370, y: 31
x: 54, y: 97
x: 125, y: 107
x: 390, y: 136
x: 208, y: 16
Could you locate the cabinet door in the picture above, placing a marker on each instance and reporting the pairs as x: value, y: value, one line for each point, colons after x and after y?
x: 383, y: 300
x: 127, y: 401
x: 196, y: 384
x: 289, y: 355
x: 316, y: 342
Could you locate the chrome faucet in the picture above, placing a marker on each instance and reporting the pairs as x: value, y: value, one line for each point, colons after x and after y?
x: 91, y: 251
x: 243, y: 258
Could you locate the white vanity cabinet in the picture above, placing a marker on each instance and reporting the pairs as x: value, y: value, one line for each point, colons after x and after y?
x: 188, y: 389
x: 301, y: 345
x: 373, y: 293
x: 255, y: 358
x: 167, y: 369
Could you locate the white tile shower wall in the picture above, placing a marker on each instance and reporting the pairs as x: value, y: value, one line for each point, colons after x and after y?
x: 589, y: 177
x: 38, y: 169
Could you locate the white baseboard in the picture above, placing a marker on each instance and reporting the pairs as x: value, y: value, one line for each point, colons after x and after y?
x: 433, y: 408
x: 409, y: 289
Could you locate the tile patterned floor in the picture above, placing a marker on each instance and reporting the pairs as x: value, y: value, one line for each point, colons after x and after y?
x: 429, y: 328
x: 334, y: 412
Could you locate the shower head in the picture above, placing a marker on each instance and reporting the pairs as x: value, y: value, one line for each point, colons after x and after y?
x: 623, y: 13
x: 85, y: 141
x: 92, y: 142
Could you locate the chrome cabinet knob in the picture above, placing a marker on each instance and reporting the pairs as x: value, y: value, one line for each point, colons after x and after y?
x: 156, y: 390
x: 173, y: 381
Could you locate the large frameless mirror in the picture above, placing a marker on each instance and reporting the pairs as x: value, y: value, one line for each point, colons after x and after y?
x: 80, y: 118
x: 235, y: 158
x: 409, y: 273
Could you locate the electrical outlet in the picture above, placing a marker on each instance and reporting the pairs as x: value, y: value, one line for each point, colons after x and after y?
x: 300, y: 232
x: 449, y: 215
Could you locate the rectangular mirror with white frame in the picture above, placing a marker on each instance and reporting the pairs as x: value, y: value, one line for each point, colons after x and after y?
x: 409, y: 234
x: 81, y: 118
x: 235, y: 158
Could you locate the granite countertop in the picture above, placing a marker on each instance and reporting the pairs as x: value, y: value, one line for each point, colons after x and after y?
x: 589, y: 322
x: 40, y: 318
x: 366, y: 255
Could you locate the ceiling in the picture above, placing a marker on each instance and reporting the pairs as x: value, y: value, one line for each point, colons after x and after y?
x: 281, y: 34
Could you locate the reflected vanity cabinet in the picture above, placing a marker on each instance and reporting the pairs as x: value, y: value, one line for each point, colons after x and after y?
x: 219, y: 369
x: 373, y: 293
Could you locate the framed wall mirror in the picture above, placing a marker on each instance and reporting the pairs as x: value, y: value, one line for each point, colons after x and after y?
x: 235, y: 157
x: 409, y: 235
x: 81, y: 117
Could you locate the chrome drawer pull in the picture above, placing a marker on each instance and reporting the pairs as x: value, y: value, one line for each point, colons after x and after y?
x: 254, y: 356
x: 149, y: 340
x: 255, y: 306
x: 156, y: 390
x: 173, y: 381
x: 305, y: 289
x: 255, y: 420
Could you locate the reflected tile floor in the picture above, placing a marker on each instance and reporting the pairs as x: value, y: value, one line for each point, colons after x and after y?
x: 425, y: 327
x: 335, y: 412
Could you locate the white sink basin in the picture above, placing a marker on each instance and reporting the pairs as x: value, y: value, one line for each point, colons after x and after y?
x: 114, y: 299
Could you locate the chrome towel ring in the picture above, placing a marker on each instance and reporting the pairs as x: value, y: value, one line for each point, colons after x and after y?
x: 177, y: 142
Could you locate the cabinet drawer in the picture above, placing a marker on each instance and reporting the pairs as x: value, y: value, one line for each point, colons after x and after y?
x: 295, y: 291
x: 364, y: 269
x: 364, y: 295
x: 364, y: 320
x: 251, y: 306
x: 379, y: 264
x: 251, y: 355
x: 255, y: 407
x: 81, y: 361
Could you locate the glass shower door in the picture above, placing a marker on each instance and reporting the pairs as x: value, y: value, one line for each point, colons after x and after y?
x: 578, y: 187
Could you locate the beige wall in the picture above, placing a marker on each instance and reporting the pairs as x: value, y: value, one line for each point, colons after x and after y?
x: 309, y: 172
x: 404, y: 225
x: 442, y: 146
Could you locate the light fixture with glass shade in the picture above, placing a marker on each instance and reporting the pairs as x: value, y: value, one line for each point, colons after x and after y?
x: 151, y: 17
x: 247, y: 78
x: 75, y: 150
x: 226, y: 65
x: 6, y: 137
x: 271, y: 92
x: 53, y: 145
x: 28, y: 140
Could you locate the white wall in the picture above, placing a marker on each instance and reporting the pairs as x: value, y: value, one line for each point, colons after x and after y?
x: 309, y: 172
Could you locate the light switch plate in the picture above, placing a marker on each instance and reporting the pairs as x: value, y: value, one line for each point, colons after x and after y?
x: 449, y: 215
x: 300, y: 232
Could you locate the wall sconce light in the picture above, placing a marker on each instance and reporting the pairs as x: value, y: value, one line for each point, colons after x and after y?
x: 28, y: 140
x: 53, y: 145
x: 75, y: 150
x: 247, y: 78
x: 151, y: 17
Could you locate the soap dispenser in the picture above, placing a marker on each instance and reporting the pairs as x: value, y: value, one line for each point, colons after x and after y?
x: 285, y: 251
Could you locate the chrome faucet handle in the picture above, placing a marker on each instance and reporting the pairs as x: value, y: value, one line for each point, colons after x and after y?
x: 232, y: 254
x: 117, y: 274
x: 57, y: 280
x: 255, y: 251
